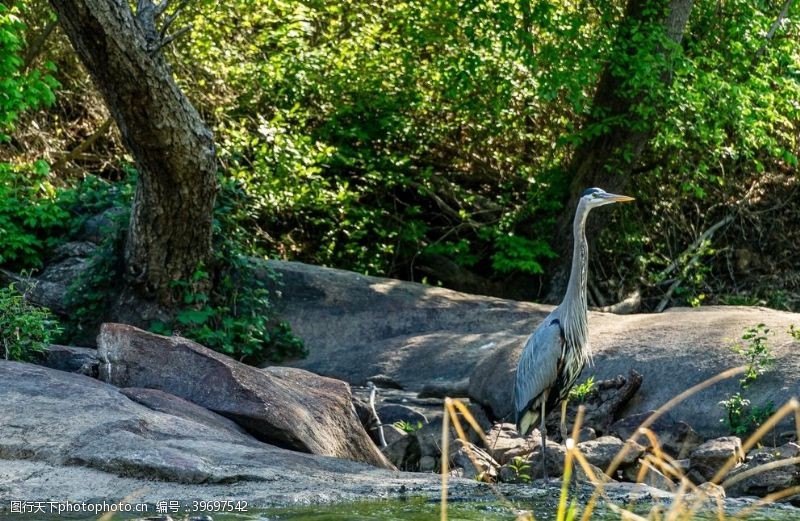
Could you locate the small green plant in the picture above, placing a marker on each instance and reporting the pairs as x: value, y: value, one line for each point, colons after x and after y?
x: 756, y: 352
x: 407, y: 426
x: 580, y: 392
x: 794, y: 332
x: 741, y: 416
x: 521, y: 469
x: 25, y: 329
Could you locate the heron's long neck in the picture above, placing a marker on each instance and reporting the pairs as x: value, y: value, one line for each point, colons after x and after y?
x: 574, y: 303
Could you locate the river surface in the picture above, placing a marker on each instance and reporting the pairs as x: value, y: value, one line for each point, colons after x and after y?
x: 418, y: 510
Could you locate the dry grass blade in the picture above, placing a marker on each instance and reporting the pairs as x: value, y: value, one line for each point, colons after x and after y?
x: 445, y: 457
x: 761, y: 468
x: 669, y: 405
x: 470, y: 419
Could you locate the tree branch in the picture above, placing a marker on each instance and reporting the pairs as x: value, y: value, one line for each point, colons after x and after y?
x: 86, y: 143
x: 771, y: 33
x: 36, y: 46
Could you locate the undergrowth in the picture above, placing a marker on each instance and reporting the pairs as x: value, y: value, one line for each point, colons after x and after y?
x: 25, y: 329
x: 226, y: 306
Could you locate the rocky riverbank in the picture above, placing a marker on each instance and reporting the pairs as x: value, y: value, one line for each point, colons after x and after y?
x: 169, y: 419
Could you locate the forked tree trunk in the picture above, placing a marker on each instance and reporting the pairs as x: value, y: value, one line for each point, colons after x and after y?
x: 170, y: 226
x: 608, y: 159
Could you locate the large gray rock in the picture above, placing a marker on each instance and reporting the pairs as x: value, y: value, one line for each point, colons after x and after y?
x: 602, y: 451
x: 281, y: 405
x: 170, y: 404
x: 71, y: 359
x: 785, y: 474
x: 357, y: 326
x: 710, y: 457
x: 673, y: 351
x: 66, y: 436
x: 676, y: 438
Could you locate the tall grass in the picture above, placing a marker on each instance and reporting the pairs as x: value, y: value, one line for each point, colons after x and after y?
x: 688, y: 498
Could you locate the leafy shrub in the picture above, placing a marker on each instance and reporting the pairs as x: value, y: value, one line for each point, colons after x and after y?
x: 25, y: 329
x: 20, y: 90
x: 30, y: 218
x: 228, y: 306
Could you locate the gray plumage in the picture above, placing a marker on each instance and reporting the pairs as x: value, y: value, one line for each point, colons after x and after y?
x: 555, y: 354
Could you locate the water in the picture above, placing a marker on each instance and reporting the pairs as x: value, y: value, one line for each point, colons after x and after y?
x: 423, y: 510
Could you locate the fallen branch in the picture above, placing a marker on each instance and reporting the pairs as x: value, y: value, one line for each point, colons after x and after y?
x: 694, y: 259
x: 85, y: 144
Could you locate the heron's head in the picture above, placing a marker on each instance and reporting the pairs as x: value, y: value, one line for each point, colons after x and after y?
x: 594, y: 197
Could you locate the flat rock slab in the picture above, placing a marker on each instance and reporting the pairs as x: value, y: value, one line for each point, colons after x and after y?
x: 69, y: 437
x: 357, y: 326
x: 289, y: 407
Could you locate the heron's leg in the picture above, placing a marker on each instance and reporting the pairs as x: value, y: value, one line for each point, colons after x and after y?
x: 543, y: 430
x: 563, y: 424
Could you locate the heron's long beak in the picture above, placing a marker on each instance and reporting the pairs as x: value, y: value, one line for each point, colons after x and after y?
x: 619, y: 198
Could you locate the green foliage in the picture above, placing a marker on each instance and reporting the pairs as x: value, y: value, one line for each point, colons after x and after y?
x: 89, y: 295
x: 741, y: 416
x: 228, y: 307
x: 794, y: 332
x: 408, y: 427
x: 20, y: 90
x: 417, y: 139
x: 29, y: 214
x: 25, y: 329
x: 521, y: 468
x: 756, y: 353
x: 581, y: 391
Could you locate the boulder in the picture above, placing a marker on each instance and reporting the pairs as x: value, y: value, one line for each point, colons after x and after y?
x: 708, y: 458
x: 71, y: 359
x: 476, y: 463
x: 785, y: 474
x: 357, y: 326
x: 602, y: 451
x: 175, y: 406
x: 67, y: 437
x: 676, y: 438
x: 693, y: 343
x: 554, y: 462
x: 504, y: 442
x: 283, y: 406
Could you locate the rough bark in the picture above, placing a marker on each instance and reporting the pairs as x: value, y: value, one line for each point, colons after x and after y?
x: 609, y: 159
x: 170, y: 226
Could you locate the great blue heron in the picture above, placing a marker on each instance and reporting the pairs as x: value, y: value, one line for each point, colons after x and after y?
x: 555, y: 353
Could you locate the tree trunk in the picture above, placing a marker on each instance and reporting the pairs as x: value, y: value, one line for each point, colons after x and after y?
x: 608, y: 159
x: 170, y: 227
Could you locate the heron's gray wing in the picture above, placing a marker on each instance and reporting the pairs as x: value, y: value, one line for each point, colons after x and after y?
x: 538, y: 366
